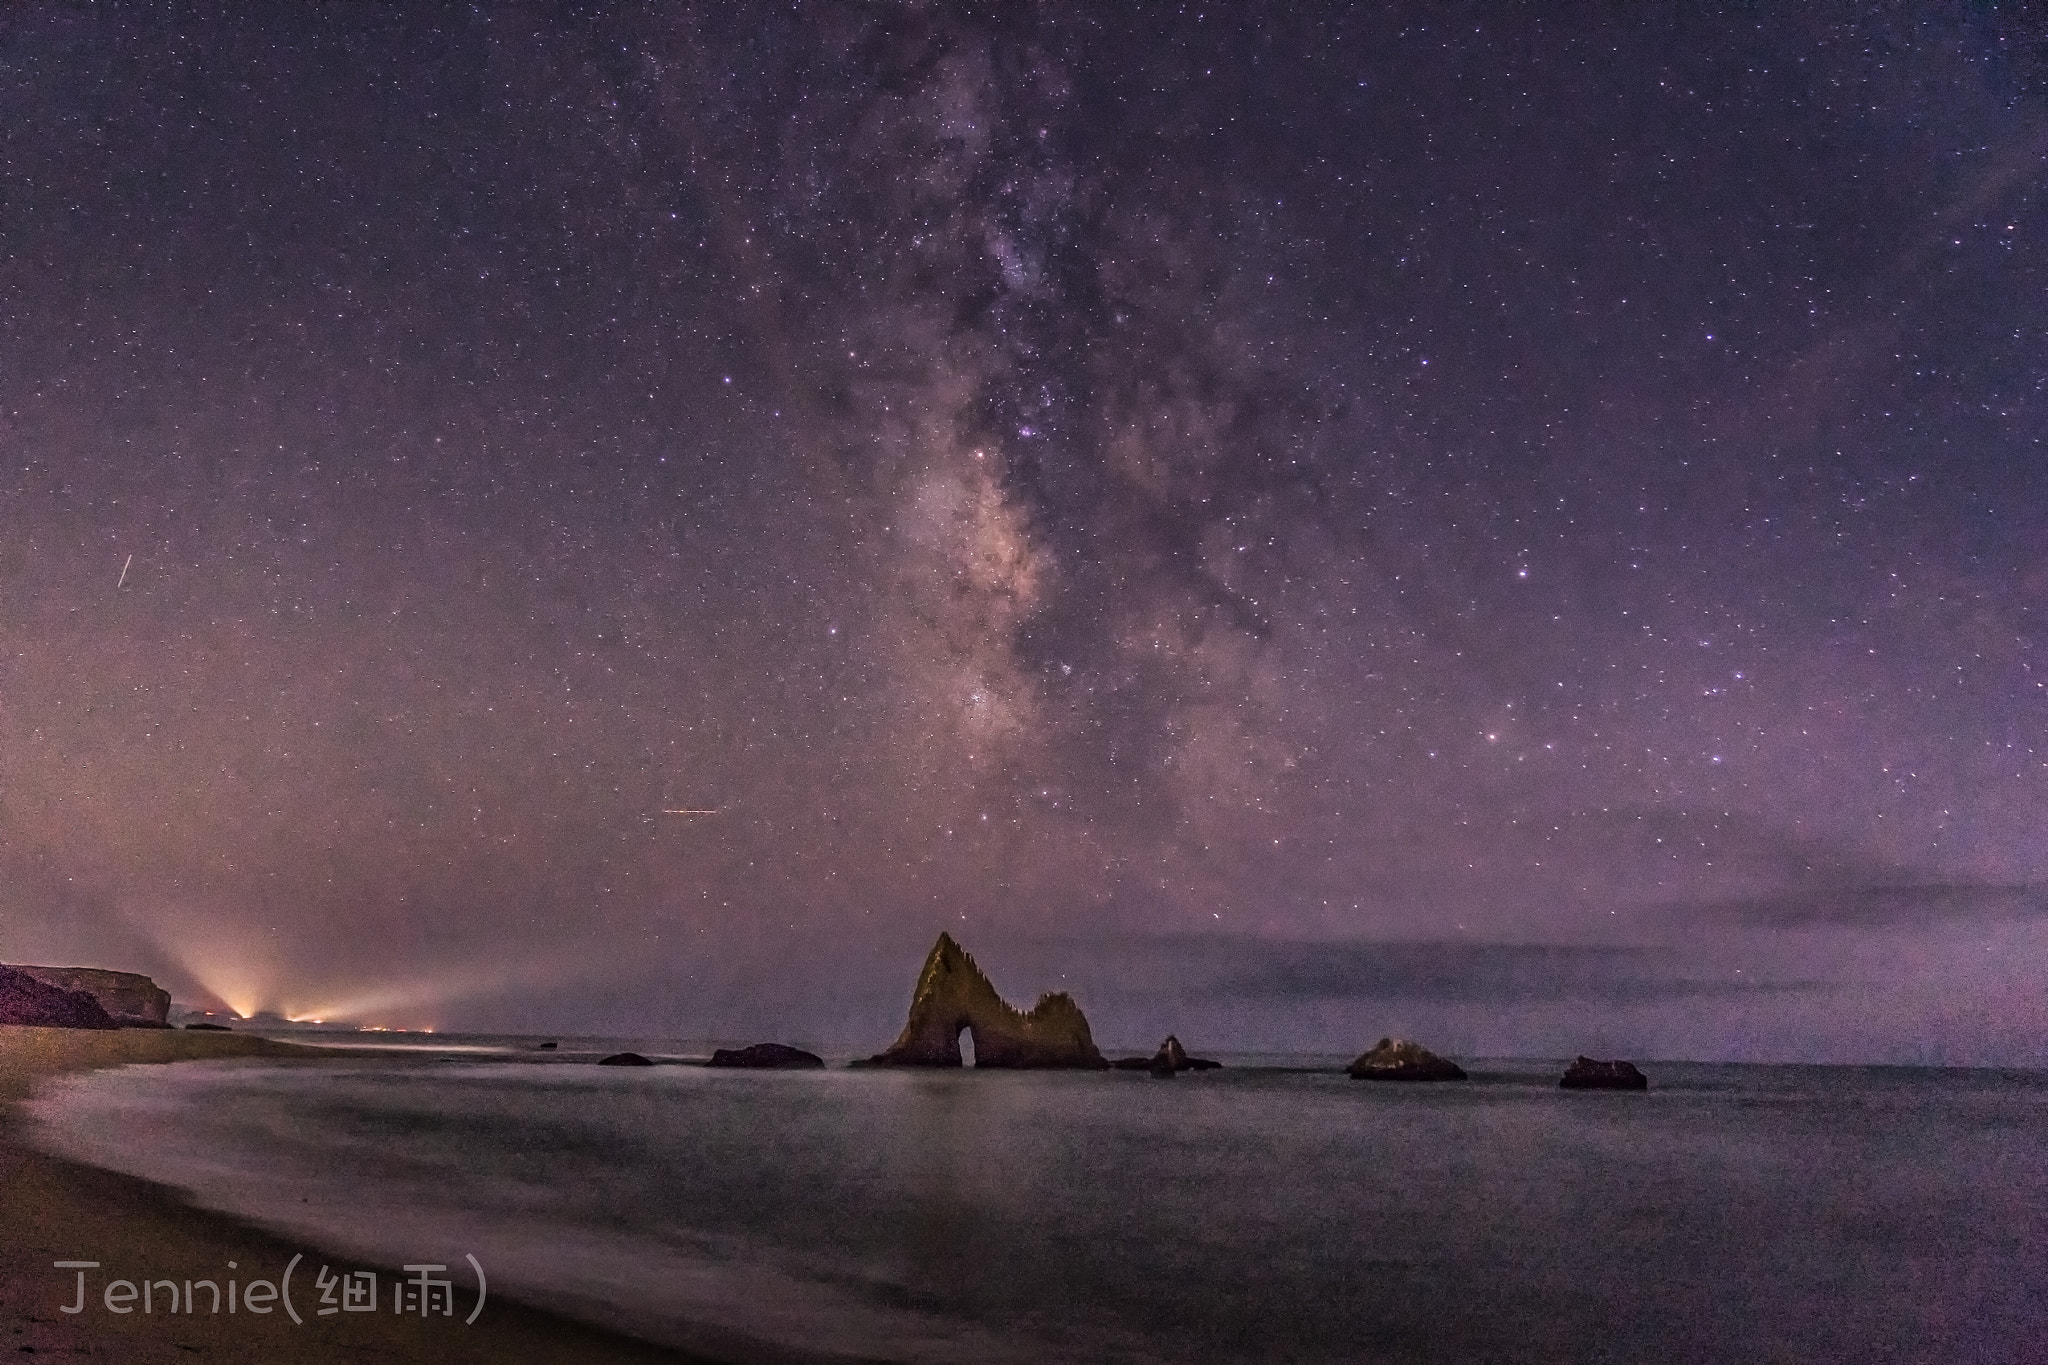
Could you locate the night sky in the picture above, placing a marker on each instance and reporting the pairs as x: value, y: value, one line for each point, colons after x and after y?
x: 1521, y: 526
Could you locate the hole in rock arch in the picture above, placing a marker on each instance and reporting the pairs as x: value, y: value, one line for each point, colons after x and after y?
x: 966, y: 1046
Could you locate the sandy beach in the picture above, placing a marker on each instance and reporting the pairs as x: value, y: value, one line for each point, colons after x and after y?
x: 54, y: 1210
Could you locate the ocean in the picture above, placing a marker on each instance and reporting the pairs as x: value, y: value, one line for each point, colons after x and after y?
x: 1271, y: 1211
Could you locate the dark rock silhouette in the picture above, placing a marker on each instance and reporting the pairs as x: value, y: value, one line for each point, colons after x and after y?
x: 624, y: 1059
x: 210, y: 1028
x: 549, y: 1046
x: 1397, y: 1059
x: 1170, y: 1060
x: 768, y: 1057
x: 129, y: 998
x: 952, y: 994
x: 1586, y: 1074
x: 25, y: 1000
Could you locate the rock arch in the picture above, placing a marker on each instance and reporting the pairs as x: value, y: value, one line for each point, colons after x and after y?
x: 954, y: 995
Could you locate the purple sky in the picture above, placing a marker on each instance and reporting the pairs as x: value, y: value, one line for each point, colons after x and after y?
x: 1531, y: 532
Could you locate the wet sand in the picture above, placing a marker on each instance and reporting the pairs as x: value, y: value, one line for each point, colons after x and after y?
x: 56, y: 1210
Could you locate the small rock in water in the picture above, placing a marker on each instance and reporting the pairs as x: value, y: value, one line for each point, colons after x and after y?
x: 1587, y: 1074
x: 1172, y: 1059
x: 1397, y: 1059
x: 548, y: 1046
x: 624, y: 1059
x: 210, y: 1028
x: 768, y: 1057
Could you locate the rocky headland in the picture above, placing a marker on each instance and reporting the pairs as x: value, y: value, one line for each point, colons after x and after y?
x: 1587, y: 1074
x: 130, y: 999
x: 953, y: 994
x: 1397, y: 1059
x: 26, y: 999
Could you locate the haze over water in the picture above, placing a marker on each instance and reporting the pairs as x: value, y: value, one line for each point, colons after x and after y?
x: 1790, y: 1214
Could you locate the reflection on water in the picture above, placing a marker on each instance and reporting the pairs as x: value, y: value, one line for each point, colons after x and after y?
x: 1752, y: 1213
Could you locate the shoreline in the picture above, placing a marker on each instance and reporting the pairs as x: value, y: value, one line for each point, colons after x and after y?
x: 55, y: 1209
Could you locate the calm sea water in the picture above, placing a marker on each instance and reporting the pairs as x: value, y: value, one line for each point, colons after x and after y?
x: 1734, y: 1213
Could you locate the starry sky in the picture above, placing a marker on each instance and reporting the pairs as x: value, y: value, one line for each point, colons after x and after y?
x: 1522, y: 526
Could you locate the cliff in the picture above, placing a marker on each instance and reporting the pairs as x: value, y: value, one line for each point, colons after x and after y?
x: 25, y: 1000
x: 953, y: 994
x: 127, y: 997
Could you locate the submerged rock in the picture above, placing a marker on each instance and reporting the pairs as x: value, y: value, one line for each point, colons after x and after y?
x: 129, y: 998
x: 767, y: 1056
x: 624, y: 1059
x: 1587, y: 1074
x: 26, y: 1000
x: 1397, y: 1059
x: 952, y: 994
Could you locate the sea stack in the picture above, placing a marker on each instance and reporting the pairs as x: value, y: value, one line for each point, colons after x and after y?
x: 1170, y: 1060
x: 953, y: 994
x: 1587, y: 1074
x: 1397, y: 1059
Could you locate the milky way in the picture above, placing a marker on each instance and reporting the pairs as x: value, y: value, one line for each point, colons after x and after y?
x: 1527, y: 530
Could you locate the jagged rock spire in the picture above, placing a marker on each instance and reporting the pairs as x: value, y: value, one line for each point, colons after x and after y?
x: 953, y: 994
